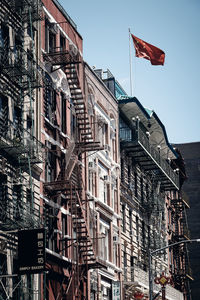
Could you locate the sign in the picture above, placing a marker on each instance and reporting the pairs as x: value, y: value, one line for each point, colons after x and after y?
x: 116, y: 291
x: 31, y: 251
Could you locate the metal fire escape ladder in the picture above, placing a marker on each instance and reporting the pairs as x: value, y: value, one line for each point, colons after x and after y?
x: 84, y: 240
x: 87, y: 139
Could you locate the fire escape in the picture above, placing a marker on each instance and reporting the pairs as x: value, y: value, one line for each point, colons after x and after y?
x: 20, y: 151
x: 181, y: 271
x: 181, y: 263
x: 79, y: 245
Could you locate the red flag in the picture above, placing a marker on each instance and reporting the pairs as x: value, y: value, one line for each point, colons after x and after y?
x: 148, y: 51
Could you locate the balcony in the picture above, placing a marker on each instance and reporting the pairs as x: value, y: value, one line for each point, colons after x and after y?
x: 21, y: 67
x: 19, y: 145
x: 138, y: 146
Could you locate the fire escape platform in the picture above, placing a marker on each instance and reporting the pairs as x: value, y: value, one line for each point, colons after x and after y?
x: 151, y: 161
x: 143, y: 137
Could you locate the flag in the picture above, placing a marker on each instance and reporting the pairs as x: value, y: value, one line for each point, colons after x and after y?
x: 148, y: 51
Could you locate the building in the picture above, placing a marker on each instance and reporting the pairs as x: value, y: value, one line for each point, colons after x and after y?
x: 149, y: 182
x: 191, y: 154
x: 69, y: 135
x: 103, y: 187
x: 153, y: 207
x: 20, y: 148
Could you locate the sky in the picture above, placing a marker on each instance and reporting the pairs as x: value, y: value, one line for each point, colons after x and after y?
x: 172, y: 90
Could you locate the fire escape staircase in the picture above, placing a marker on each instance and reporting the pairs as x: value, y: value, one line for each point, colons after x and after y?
x: 87, y: 141
x: 83, y: 239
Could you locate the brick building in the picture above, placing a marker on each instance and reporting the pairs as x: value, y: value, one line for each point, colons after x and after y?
x: 191, y: 154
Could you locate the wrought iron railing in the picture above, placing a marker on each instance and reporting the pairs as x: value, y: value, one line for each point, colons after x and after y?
x: 19, y: 142
x: 138, y: 136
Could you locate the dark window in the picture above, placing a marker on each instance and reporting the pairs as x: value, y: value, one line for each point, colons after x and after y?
x: 143, y: 234
x: 52, y: 42
x: 49, y: 99
x: 73, y: 121
x: 50, y: 164
x: 147, y: 192
x: 130, y: 221
x: 46, y: 35
x: 136, y: 184
x: 50, y: 37
x: 64, y: 113
x: 29, y: 199
x: 3, y: 115
x: 142, y: 189
x: 122, y: 170
x: 3, y: 197
x: 129, y: 173
x: 125, y: 265
x: 62, y: 43
x: 17, y: 122
x: 137, y: 228
x: 17, y: 199
x: 123, y: 218
x: 132, y: 268
x: 4, y: 36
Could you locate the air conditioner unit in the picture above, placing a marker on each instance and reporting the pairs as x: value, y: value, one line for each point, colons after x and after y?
x: 106, y: 178
x: 106, y: 147
x: 73, y: 50
x: 115, y: 239
x: 90, y: 164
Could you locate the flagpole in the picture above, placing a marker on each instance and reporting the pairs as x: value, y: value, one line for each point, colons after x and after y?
x: 130, y: 64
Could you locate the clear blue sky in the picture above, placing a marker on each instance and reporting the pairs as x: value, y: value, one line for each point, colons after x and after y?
x: 172, y: 90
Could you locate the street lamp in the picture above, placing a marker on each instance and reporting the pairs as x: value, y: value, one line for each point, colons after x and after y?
x: 151, y: 253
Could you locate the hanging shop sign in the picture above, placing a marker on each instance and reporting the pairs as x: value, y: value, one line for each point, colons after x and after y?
x: 31, y: 251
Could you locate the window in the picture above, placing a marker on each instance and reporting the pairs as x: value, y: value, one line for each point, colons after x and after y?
x: 17, y: 199
x: 104, y: 191
x: 143, y: 234
x: 123, y: 218
x: 3, y: 115
x: 132, y: 268
x: 136, y: 183
x: 142, y: 189
x: 130, y: 222
x: 50, y: 37
x: 30, y: 124
x: 50, y: 163
x: 62, y: 43
x: 72, y: 120
x: 52, y: 42
x: 4, y: 36
x: 105, y: 134
x: 104, y: 242
x: 3, y: 197
x: 137, y: 228
x: 63, y: 113
x: 29, y: 199
x: 49, y: 99
x: 125, y: 131
x: 125, y: 265
x: 17, y: 122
